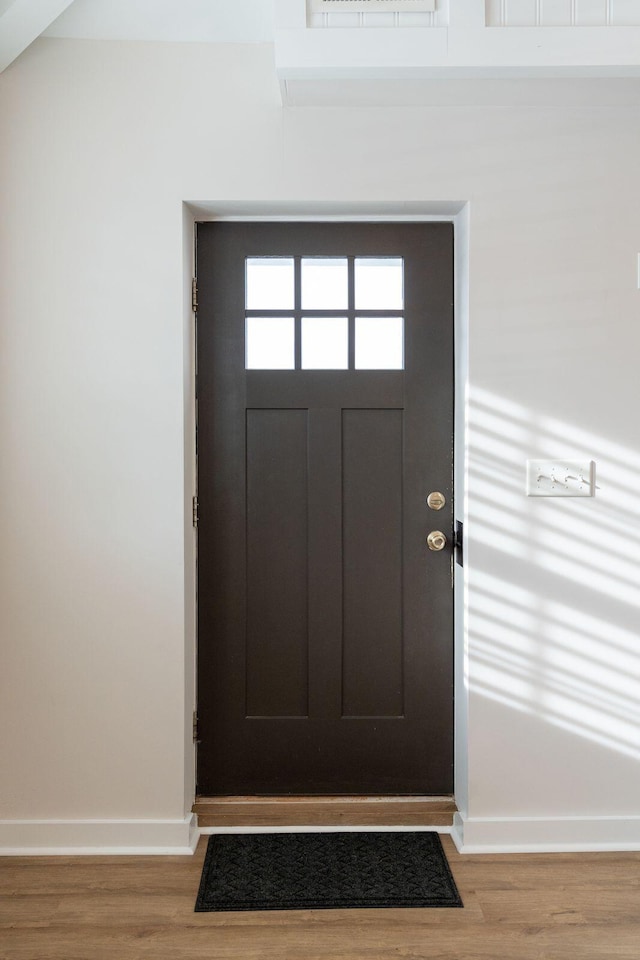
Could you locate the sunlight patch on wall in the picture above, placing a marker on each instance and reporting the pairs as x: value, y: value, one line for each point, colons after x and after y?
x: 549, y: 651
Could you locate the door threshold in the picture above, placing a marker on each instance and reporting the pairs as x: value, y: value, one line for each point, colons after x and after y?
x: 360, y: 811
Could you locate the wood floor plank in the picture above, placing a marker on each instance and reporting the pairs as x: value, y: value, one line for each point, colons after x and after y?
x: 521, y: 907
x: 273, y: 942
x: 563, y: 904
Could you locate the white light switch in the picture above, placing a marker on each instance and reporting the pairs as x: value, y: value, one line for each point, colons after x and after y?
x: 560, y: 478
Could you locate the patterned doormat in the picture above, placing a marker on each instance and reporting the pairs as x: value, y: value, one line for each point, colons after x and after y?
x: 324, y: 871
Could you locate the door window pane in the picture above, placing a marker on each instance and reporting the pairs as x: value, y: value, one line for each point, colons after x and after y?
x: 379, y: 283
x: 379, y: 343
x: 325, y: 343
x: 270, y: 343
x: 325, y: 284
x: 270, y: 284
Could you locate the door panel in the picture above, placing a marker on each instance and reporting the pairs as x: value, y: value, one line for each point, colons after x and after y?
x: 277, y: 596
x: 372, y: 675
x: 325, y: 654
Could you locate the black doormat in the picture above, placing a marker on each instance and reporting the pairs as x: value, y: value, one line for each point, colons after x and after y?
x: 323, y: 871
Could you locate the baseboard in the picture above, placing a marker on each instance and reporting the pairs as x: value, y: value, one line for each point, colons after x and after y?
x: 23, y: 838
x: 545, y: 834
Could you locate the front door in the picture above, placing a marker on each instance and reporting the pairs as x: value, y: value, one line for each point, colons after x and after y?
x: 325, y: 419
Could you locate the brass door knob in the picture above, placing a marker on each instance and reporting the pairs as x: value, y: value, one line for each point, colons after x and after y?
x: 436, y: 540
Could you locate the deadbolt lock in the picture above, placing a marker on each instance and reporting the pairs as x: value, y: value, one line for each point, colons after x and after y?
x: 436, y: 540
x: 436, y: 500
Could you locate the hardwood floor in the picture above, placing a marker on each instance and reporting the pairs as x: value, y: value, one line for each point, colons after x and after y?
x: 517, y: 907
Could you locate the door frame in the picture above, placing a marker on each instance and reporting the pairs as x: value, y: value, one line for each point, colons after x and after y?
x: 455, y: 212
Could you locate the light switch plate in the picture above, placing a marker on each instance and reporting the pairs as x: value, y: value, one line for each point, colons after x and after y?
x: 560, y: 478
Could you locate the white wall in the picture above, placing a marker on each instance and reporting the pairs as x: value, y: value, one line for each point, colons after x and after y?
x: 103, y: 143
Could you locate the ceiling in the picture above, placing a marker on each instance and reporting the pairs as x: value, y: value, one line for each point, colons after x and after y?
x: 207, y: 21
x: 381, y: 67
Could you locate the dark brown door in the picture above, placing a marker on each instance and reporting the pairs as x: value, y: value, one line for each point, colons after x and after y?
x: 325, y: 417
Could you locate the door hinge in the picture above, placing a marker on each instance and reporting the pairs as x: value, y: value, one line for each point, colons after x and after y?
x: 194, y: 294
x: 195, y: 727
x: 195, y: 511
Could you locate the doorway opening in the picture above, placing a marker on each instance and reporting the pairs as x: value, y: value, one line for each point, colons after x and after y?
x: 290, y: 425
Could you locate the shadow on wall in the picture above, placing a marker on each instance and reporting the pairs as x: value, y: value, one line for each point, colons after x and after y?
x: 555, y: 603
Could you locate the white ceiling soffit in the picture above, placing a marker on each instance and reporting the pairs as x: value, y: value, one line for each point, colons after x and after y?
x: 22, y: 21
x: 201, y: 21
x: 392, y: 64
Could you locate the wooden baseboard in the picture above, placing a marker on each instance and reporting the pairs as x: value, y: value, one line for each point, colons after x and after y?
x: 324, y: 811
